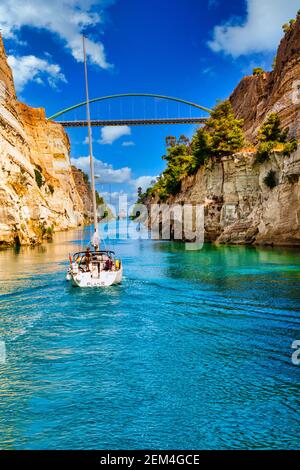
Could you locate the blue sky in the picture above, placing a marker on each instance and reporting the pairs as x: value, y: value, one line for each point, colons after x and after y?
x: 192, y: 49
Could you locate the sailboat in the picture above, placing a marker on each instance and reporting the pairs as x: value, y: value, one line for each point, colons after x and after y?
x: 93, y: 268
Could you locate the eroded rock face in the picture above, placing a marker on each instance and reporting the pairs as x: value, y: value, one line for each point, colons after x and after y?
x: 84, y: 190
x: 239, y: 207
x: 37, y: 188
x: 263, y: 215
x: 279, y: 91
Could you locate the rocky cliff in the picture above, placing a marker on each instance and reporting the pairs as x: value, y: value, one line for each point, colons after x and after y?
x: 240, y: 208
x: 278, y: 91
x: 84, y: 190
x: 38, y: 194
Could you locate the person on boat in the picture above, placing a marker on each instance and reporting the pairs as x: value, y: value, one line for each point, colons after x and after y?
x: 95, y: 240
x: 108, y: 265
x: 88, y: 258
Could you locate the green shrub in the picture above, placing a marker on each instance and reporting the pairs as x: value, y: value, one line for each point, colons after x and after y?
x: 38, y: 177
x: 264, y: 151
x: 288, y: 26
x: 290, y: 147
x: 270, y: 136
x: 271, y: 130
x: 45, y: 232
x: 258, y: 71
x: 49, y: 233
x: 271, y: 179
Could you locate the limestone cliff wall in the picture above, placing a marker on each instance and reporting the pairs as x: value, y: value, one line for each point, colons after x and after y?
x: 239, y: 206
x: 84, y: 189
x: 37, y: 188
x: 278, y: 91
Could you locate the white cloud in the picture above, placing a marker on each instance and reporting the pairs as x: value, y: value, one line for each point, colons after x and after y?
x: 65, y: 18
x: 260, y: 32
x: 128, y: 143
x: 110, y: 134
x: 144, y: 182
x: 104, y: 172
x: 31, y: 68
x: 113, y: 197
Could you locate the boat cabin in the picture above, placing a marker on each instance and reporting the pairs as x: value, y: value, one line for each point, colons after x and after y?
x: 96, y: 261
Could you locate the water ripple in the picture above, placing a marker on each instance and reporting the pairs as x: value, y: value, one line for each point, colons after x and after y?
x: 192, y: 351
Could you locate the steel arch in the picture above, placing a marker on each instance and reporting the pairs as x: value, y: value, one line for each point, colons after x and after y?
x: 122, y: 95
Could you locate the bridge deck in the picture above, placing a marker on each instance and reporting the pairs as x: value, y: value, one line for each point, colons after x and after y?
x: 134, y: 122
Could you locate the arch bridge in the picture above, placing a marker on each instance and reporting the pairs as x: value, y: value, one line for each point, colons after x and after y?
x: 133, y: 122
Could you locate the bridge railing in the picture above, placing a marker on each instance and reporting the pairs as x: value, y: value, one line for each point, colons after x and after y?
x: 133, y: 122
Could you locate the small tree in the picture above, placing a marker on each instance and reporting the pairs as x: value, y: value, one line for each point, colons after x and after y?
x: 139, y: 192
x: 286, y: 27
x: 171, y: 141
x: 226, y: 132
x: 201, y: 146
x: 270, y: 135
x: 271, y: 130
x: 183, y: 140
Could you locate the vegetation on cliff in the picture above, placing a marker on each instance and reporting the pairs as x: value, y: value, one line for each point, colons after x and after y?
x: 288, y: 26
x: 258, y: 71
x: 38, y: 176
x: 222, y: 136
x: 272, y: 137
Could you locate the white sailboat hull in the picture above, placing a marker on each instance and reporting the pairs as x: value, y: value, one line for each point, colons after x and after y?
x: 86, y: 279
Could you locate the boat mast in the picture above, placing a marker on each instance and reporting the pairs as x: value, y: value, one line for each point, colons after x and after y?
x: 88, y: 115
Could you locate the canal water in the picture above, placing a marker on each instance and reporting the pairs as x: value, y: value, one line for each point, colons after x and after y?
x: 192, y: 351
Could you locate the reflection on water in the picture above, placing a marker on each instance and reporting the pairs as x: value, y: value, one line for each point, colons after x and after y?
x: 193, y: 350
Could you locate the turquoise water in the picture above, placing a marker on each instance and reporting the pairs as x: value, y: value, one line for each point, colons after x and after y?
x: 192, y: 351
